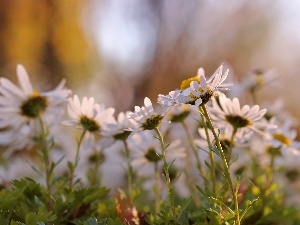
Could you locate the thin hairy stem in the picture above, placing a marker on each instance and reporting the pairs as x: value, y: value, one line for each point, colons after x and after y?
x: 167, y: 175
x: 193, y: 147
x: 225, y: 164
x: 211, y: 156
x: 73, y: 167
x: 129, y: 170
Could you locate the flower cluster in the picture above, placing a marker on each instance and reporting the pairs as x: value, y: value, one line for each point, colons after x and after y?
x: 197, y: 143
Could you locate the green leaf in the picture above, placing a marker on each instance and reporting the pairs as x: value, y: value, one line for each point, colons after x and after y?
x: 207, y: 164
x: 163, y: 176
x: 200, y: 190
x: 39, y: 218
x: 215, y: 150
x: 91, y: 221
x: 185, y: 204
x: 94, y: 194
x: 167, y: 145
x: 176, y: 178
x: 113, y: 222
x: 70, y: 166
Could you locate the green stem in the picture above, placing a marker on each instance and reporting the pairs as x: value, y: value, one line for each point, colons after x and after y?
x: 270, y: 172
x: 211, y: 156
x: 254, y: 95
x: 166, y: 170
x: 95, y: 180
x: 191, y: 143
x: 130, y: 170
x: 230, y: 147
x: 45, y: 154
x: 73, y: 167
x: 156, y: 188
x: 226, y: 167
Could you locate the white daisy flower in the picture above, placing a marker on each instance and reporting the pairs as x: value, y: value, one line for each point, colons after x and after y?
x: 118, y: 131
x: 283, y: 135
x: 196, y: 90
x: 89, y: 115
x: 21, y: 107
x: 201, y: 90
x: 258, y: 78
x: 23, y: 138
x: 246, y: 119
x: 173, y: 98
x: 144, y: 118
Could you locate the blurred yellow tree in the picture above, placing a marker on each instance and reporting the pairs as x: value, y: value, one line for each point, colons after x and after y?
x: 46, y: 36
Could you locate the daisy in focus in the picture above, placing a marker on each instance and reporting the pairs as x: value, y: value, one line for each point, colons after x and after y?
x: 197, y: 90
x: 246, y: 119
x: 23, y: 108
x: 144, y: 118
x: 172, y: 99
x: 201, y: 90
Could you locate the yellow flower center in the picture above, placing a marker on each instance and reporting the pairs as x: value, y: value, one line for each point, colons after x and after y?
x: 152, y: 122
x: 34, y: 106
x: 176, y: 118
x: 35, y: 94
x: 283, y: 139
x: 260, y: 79
x: 186, y: 83
x: 237, y: 121
x: 89, y: 124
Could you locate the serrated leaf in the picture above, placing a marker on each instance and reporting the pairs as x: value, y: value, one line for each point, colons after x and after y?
x: 249, y: 204
x: 39, y: 218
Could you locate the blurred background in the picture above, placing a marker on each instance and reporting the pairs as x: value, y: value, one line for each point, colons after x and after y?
x: 120, y: 51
